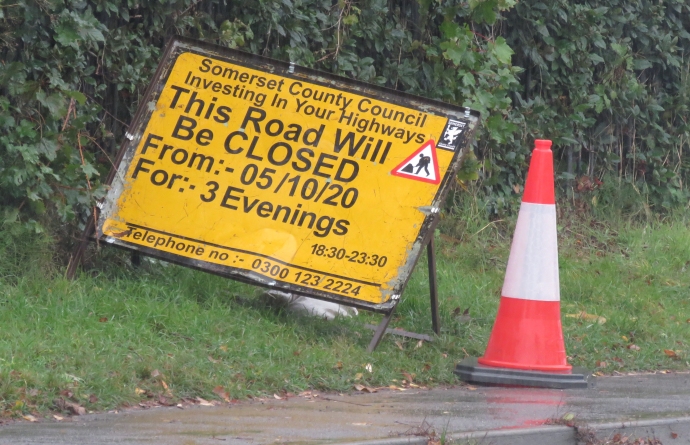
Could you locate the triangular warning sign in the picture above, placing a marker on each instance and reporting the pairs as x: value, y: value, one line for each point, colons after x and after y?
x: 422, y: 165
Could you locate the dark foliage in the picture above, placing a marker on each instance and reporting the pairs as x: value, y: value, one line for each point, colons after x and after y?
x: 608, y: 81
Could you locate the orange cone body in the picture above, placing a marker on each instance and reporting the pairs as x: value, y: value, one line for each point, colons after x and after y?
x: 527, y: 333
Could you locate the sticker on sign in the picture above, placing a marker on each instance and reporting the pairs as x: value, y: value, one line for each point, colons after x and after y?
x: 299, y: 180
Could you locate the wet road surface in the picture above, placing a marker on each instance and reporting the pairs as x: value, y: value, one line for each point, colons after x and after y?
x: 387, y: 415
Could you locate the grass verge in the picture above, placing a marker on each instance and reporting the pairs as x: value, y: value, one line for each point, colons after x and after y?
x: 160, y: 333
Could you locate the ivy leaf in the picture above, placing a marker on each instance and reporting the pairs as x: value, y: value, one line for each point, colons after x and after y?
x: 450, y: 30
x: 596, y: 58
x: 76, y: 95
x: 55, y: 103
x: 641, y: 64
x: 454, y: 54
x: 66, y: 34
x: 89, y: 170
x: 484, y: 11
x: 351, y: 20
x: 502, y: 51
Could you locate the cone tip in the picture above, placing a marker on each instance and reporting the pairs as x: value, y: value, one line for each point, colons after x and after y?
x: 542, y: 144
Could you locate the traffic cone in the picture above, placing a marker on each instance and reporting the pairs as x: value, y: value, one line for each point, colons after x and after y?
x: 526, y: 345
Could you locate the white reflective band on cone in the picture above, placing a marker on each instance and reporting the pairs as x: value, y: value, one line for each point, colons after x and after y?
x: 532, y: 271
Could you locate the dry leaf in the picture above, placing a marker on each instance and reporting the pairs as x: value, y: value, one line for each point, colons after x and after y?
x: 30, y: 418
x: 155, y: 373
x: 212, y: 360
x: 601, y: 364
x: 203, y: 402
x: 471, y: 388
x: 419, y: 344
x: 139, y: 391
x: 369, y: 368
x: 634, y: 347
x: 358, y: 376
x: 363, y: 388
x: 93, y: 398
x: 58, y: 418
x: 220, y: 392
x: 361, y: 424
x: 76, y: 409
x: 277, y: 397
x: 670, y: 353
x: 409, y: 377
x: 339, y: 365
x: 399, y: 345
x: 624, y: 338
x: 103, y: 319
x: 674, y: 435
x: 223, y: 348
x: 167, y: 390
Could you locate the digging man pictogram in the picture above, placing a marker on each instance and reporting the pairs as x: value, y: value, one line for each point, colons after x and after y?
x: 423, y: 164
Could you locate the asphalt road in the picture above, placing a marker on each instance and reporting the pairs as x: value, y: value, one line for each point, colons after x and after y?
x: 659, y: 405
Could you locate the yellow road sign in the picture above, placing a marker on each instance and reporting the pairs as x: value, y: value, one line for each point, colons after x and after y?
x: 283, y: 176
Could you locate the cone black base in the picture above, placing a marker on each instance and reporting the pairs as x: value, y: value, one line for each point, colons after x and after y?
x: 469, y: 370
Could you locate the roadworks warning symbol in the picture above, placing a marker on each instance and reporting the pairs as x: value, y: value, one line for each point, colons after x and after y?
x: 422, y: 165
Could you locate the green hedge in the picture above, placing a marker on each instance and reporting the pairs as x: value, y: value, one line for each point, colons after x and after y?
x: 608, y: 81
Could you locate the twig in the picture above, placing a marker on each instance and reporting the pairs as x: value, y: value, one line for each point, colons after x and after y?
x: 88, y: 182
x: 337, y: 33
x: 325, y: 57
x: 480, y: 35
x: 491, y: 223
x: 92, y: 139
x: 268, y: 38
x: 190, y: 7
x: 69, y: 110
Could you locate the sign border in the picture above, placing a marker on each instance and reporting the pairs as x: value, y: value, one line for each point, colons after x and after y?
x: 179, y: 45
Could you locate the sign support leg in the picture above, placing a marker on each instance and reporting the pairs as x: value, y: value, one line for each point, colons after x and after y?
x: 79, y: 250
x: 433, y: 289
x: 380, y: 331
x: 382, y: 328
